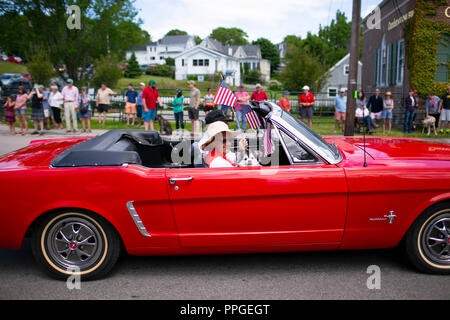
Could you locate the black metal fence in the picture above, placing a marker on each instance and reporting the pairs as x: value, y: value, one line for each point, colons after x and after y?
x: 323, y: 108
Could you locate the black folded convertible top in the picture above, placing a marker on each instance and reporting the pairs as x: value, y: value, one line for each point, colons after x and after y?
x: 113, y: 148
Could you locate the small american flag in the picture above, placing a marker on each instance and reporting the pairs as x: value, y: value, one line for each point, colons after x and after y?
x: 224, y: 96
x: 251, y: 116
x: 268, y: 145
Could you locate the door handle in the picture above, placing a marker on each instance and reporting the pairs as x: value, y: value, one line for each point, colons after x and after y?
x: 172, y: 181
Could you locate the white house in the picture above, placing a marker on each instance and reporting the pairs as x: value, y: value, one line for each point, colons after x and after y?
x: 202, y: 61
x: 247, y: 55
x: 337, y: 77
x: 157, y: 52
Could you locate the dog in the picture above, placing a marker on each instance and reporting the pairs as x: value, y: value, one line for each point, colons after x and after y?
x: 429, y: 123
x: 249, y: 159
x: 164, y: 126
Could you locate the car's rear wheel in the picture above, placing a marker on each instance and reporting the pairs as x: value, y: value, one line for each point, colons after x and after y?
x: 75, y: 243
x: 428, y: 240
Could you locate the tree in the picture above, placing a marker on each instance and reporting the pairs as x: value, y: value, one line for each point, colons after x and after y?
x: 133, y: 68
x: 230, y: 36
x: 170, y: 61
x: 197, y: 40
x: 107, y: 70
x: 40, y: 67
x: 302, y: 68
x: 107, y: 27
x: 176, y: 32
x: 270, y: 52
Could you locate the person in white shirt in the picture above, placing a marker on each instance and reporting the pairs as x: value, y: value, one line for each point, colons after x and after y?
x: 55, y: 101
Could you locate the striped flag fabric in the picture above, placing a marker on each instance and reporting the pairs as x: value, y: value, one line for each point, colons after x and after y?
x: 251, y: 117
x: 268, y: 145
x: 224, y: 96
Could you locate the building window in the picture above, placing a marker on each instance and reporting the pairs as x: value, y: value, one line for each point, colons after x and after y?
x: 400, y: 62
x: 200, y: 62
x: 195, y: 62
x: 384, y: 62
x: 182, y: 62
x: 346, y: 69
x: 442, y: 59
x: 206, y: 62
x: 332, y: 92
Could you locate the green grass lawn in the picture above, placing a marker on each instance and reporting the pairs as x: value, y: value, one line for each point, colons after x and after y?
x: 8, y: 67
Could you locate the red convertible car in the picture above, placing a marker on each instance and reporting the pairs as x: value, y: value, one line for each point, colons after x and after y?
x: 84, y: 200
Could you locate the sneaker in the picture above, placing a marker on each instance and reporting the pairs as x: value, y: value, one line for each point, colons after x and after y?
x: 35, y: 132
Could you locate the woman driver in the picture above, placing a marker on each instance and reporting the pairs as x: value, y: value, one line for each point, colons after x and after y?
x: 218, y: 147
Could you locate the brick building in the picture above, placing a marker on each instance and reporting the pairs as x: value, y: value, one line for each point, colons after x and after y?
x: 385, y: 35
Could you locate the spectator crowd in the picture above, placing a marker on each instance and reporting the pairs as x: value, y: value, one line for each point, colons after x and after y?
x: 140, y: 108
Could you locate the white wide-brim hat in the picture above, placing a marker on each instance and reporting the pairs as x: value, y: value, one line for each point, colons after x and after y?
x: 306, y: 88
x: 216, y: 128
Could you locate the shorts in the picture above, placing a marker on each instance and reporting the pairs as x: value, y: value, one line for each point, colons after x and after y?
x: 85, y: 115
x: 130, y: 108
x: 339, y: 115
x: 139, y: 111
x: 149, y: 115
x: 193, y: 113
x: 445, y: 115
x: 21, y: 111
x: 377, y: 115
x: 306, y: 112
x: 386, y: 114
x: 102, y: 108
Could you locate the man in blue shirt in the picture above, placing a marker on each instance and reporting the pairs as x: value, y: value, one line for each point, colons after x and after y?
x: 139, y: 106
x: 130, y: 105
x: 340, y: 107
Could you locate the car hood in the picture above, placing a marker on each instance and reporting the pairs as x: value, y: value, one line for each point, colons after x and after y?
x: 38, y: 153
x: 400, y: 148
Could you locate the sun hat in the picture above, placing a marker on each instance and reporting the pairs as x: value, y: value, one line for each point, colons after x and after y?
x: 305, y: 88
x: 342, y: 90
x: 258, y: 85
x: 215, y: 129
x: 69, y: 81
x: 152, y: 82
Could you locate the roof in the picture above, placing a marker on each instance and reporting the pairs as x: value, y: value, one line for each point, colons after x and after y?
x: 174, y: 40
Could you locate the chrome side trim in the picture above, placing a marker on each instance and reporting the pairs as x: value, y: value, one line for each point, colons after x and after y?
x: 137, y: 220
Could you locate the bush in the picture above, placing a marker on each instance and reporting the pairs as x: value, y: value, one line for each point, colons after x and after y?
x: 252, y: 77
x: 170, y: 61
x: 107, y: 71
x: 161, y: 70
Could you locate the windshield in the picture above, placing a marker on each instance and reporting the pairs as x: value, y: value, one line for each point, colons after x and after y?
x: 330, y: 150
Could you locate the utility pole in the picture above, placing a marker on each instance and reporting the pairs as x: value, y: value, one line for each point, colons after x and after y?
x: 349, y: 129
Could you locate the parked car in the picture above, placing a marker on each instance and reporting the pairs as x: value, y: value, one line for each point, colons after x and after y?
x: 27, y: 76
x: 12, y: 88
x: 311, y: 193
x: 13, y: 59
x: 7, y: 78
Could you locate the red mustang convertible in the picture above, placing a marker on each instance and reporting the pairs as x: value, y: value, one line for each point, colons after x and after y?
x: 84, y: 200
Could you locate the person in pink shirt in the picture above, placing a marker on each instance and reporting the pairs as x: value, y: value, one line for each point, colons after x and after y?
x: 70, y: 98
x: 21, y: 109
x: 242, y: 99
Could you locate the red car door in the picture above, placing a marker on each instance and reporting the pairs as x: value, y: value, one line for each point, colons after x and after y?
x: 258, y: 206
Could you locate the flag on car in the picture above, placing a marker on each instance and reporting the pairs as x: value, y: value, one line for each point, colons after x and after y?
x: 268, y: 145
x: 251, y: 117
x: 224, y: 96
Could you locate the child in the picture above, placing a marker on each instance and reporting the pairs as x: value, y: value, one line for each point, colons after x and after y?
x: 177, y: 104
x: 10, y: 115
x: 84, y: 110
x: 21, y: 107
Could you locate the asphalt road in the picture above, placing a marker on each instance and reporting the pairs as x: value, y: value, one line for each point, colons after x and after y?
x: 301, y: 275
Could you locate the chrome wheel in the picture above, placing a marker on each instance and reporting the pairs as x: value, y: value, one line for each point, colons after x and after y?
x: 74, y: 242
x: 435, y: 240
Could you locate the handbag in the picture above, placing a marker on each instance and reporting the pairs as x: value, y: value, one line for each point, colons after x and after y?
x: 84, y: 108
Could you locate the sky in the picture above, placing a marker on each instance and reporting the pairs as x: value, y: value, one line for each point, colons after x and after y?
x: 271, y: 19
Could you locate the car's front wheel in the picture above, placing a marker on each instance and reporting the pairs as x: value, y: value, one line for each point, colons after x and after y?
x: 428, y: 240
x: 75, y: 243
